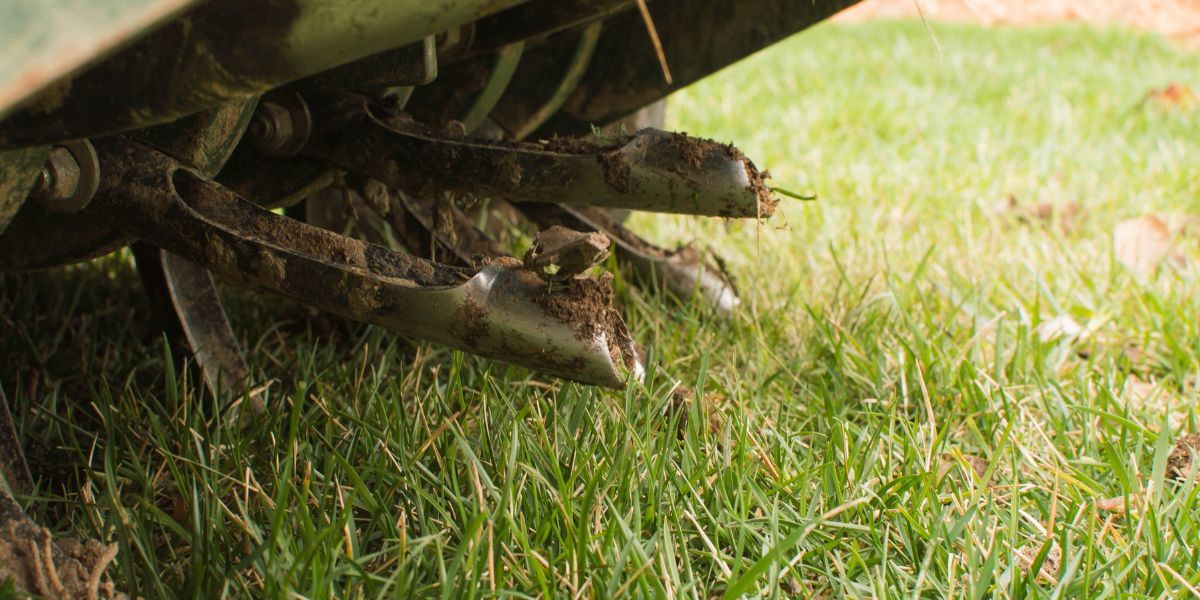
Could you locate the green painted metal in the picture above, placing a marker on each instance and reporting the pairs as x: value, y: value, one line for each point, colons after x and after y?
x: 19, y: 170
x: 44, y: 41
x: 506, y: 64
x: 570, y: 80
x: 205, y: 140
x: 226, y: 50
x: 39, y: 239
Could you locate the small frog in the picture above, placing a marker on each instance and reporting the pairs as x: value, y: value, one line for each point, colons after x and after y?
x: 572, y: 252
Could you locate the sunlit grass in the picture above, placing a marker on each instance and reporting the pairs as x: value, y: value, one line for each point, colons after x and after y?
x: 881, y: 420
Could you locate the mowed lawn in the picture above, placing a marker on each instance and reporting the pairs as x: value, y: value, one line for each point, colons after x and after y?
x: 904, y: 405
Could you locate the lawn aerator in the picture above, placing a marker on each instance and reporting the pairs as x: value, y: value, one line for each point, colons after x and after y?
x: 231, y: 139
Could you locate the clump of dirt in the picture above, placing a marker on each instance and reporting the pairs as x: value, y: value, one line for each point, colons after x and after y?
x: 680, y: 403
x: 686, y: 154
x: 616, y: 171
x: 1050, y: 565
x: 586, y: 306
x: 1179, y: 462
x: 576, y: 145
x: 572, y: 252
x: 475, y: 322
x: 948, y: 464
x: 621, y: 347
x: 691, y: 150
x: 38, y: 564
x: 579, y: 303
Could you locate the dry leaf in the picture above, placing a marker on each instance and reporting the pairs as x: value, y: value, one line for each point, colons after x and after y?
x: 1061, y: 215
x: 1143, y: 243
x: 1059, y: 327
x: 1112, y: 505
x: 1173, y: 96
x: 1116, y: 505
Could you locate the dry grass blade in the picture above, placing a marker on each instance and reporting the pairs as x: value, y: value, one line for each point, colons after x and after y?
x: 658, y: 48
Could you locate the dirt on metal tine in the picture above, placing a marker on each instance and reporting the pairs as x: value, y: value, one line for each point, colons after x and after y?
x: 651, y: 170
x: 504, y: 312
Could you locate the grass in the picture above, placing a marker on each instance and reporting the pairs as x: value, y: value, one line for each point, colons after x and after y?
x: 882, y: 419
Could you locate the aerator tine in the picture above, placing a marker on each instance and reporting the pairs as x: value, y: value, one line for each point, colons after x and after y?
x: 650, y: 170
x: 500, y: 311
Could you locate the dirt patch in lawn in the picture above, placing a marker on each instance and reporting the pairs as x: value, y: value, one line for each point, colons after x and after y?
x: 36, y: 563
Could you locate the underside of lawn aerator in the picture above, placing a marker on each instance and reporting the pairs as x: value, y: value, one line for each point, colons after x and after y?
x: 233, y: 139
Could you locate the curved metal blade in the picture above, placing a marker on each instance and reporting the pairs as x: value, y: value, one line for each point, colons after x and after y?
x: 188, y: 305
x: 501, y: 311
x: 650, y: 170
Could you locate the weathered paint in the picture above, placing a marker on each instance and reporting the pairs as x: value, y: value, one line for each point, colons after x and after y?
x: 44, y: 41
x: 39, y: 239
x: 18, y: 172
x: 224, y: 51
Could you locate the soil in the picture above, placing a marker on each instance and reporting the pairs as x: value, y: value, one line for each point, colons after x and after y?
x: 52, y: 568
x: 1176, y: 19
x: 1179, y: 462
x: 586, y: 306
x: 692, y: 152
x: 582, y: 145
x: 616, y: 171
x: 758, y: 182
x: 475, y: 322
x: 578, y: 303
x: 1049, y: 569
x: 573, y: 252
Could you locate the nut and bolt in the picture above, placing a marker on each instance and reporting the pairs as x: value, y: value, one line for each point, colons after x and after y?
x: 280, y: 127
x: 69, y: 178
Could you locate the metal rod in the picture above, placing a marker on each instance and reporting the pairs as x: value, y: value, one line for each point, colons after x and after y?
x: 579, y: 64
x: 188, y: 306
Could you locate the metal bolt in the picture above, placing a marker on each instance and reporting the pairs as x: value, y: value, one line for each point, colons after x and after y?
x: 69, y: 178
x: 280, y: 127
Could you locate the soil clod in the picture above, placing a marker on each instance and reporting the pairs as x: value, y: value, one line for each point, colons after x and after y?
x: 1179, y: 462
